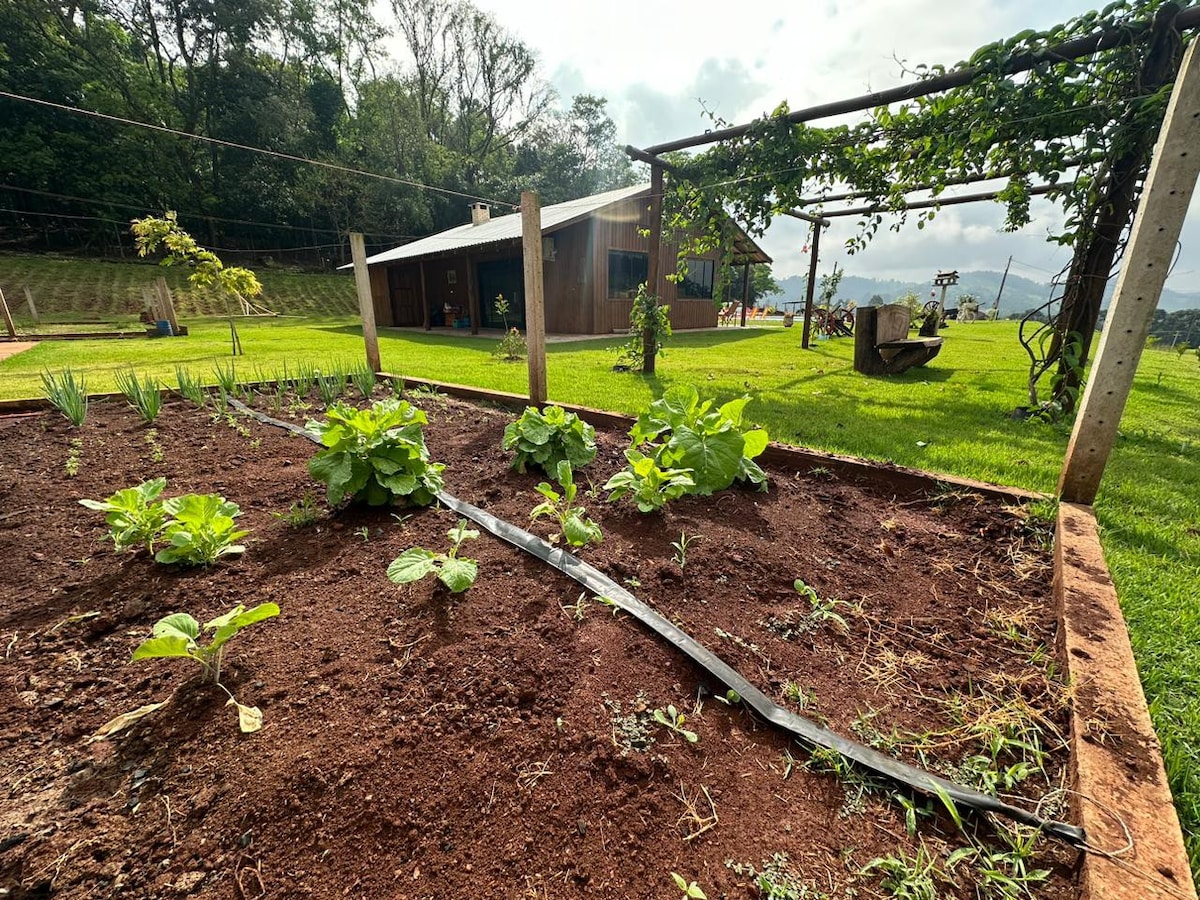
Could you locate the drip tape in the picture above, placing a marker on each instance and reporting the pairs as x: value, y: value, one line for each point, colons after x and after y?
x: 808, y: 733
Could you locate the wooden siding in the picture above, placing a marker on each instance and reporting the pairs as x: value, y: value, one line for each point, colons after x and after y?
x: 379, y: 295
x: 568, y: 285
x: 616, y: 228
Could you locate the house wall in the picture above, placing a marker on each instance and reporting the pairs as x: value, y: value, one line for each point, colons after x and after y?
x: 567, y: 282
x: 616, y: 228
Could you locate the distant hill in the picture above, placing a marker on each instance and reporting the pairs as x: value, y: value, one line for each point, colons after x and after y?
x: 1019, y: 295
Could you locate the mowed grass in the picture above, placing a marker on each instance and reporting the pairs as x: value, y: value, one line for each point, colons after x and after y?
x: 68, y: 290
x: 951, y: 416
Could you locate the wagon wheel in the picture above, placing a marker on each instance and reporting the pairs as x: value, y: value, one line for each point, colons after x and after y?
x: 846, y: 322
x: 931, y: 306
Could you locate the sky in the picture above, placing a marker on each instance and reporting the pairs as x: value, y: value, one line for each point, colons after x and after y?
x: 660, y: 63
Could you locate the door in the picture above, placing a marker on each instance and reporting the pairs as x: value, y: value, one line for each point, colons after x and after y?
x: 405, y: 298
x: 502, y: 277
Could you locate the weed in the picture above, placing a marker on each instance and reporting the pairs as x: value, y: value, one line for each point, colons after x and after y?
x: 68, y: 394
x: 300, y: 514
x: 577, y: 528
x: 775, y: 880
x: 364, y: 533
x: 576, y: 610
x: 856, y: 783
x: 907, y: 877
x: 822, y: 612
x: 631, y: 732
x: 803, y: 697
x: 455, y: 573
x: 681, y: 548
x: 695, y: 821
x: 190, y: 387
x: 673, y: 719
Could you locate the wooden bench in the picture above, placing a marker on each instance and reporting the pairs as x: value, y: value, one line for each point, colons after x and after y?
x: 882, y: 345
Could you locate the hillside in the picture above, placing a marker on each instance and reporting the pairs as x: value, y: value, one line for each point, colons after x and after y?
x: 81, y: 290
x: 1019, y: 295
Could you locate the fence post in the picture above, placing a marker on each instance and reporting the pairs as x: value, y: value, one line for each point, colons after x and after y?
x: 535, y: 306
x: 366, y: 306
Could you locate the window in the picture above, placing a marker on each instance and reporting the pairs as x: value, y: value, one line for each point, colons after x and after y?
x: 697, y: 284
x: 626, y: 270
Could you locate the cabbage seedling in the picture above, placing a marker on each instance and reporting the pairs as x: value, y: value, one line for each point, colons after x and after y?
x: 179, y: 635
x: 456, y: 574
x: 577, y: 528
x: 134, y: 515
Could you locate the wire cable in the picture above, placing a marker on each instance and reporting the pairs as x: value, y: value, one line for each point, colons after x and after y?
x: 275, y: 153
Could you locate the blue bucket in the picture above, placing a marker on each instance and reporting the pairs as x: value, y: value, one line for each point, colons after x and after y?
x: 164, y: 328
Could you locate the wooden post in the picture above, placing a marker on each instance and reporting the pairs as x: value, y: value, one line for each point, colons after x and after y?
x: 535, y: 307
x: 165, y: 305
x: 474, y: 302
x: 424, y: 298
x: 649, y: 337
x: 366, y: 305
x: 32, y: 309
x: 1160, y: 214
x: 745, y: 293
x: 8, y: 322
x: 812, y: 284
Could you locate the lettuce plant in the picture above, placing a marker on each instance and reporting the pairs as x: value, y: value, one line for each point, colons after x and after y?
x: 134, y: 515
x: 549, y: 437
x: 455, y: 573
x: 648, y: 486
x: 375, y: 456
x: 179, y: 635
x: 684, y: 432
x: 577, y: 529
x: 201, y: 530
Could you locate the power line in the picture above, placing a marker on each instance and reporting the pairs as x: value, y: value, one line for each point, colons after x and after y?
x: 189, y: 215
x: 211, y: 140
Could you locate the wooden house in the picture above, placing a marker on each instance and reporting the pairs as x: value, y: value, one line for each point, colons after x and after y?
x: 594, y: 254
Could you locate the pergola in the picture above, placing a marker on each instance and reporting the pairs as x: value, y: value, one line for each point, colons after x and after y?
x: 1155, y: 230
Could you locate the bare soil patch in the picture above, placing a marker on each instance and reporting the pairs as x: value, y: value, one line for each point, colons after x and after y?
x: 498, y: 743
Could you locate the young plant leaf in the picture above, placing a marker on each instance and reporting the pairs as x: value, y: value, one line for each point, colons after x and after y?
x: 411, y: 565
x: 458, y: 574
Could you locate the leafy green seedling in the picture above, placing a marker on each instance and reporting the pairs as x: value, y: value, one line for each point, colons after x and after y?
x: 201, y: 530
x: 178, y: 635
x: 681, y: 548
x: 577, y: 528
x: 647, y: 485
x: 546, y: 438
x: 456, y: 574
x: 375, y: 456
x: 674, y: 720
x: 134, y: 516
x: 691, y: 891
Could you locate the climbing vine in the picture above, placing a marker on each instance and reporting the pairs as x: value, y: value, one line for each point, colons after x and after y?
x: 1099, y: 114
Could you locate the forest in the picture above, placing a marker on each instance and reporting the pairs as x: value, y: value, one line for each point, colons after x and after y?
x: 439, y: 103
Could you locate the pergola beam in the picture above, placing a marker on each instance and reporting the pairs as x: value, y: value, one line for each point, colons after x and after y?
x: 1035, y: 191
x: 1080, y: 47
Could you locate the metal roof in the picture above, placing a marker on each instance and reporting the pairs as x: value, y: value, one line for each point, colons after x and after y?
x: 506, y: 228
x: 554, y: 217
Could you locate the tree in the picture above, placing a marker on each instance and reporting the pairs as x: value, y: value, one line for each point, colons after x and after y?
x: 762, y: 283
x: 208, y: 271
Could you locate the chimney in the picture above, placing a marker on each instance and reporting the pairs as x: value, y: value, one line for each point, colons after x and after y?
x: 480, y: 213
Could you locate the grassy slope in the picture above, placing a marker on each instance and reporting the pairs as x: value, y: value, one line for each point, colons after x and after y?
x: 69, y: 290
x: 948, y: 417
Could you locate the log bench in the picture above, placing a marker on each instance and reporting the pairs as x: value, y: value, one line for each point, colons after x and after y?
x: 882, y: 345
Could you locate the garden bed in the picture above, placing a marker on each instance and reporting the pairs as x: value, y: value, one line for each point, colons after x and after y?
x: 501, y: 742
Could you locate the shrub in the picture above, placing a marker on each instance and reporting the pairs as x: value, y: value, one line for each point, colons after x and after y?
x: 134, y: 515
x: 549, y: 437
x: 512, y: 346
x: 201, y: 530
x: 376, y: 455
x: 68, y: 394
x: 683, y: 432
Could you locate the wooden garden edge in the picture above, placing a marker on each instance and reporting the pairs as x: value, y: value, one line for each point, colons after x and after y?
x: 1096, y: 647
x: 1110, y: 723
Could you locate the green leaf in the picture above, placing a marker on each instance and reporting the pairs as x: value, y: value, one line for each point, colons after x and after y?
x: 411, y: 565
x: 162, y: 647
x: 680, y: 881
x: 580, y: 531
x: 755, y: 442
x: 178, y: 624
x: 237, y: 619
x: 713, y: 458
x: 458, y: 574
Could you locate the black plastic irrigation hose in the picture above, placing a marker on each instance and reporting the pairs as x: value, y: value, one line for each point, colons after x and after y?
x: 809, y: 733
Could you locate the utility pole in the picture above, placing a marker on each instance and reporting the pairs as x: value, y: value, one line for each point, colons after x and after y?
x: 1003, y: 278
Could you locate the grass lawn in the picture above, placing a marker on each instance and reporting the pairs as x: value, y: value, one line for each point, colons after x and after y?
x: 948, y: 417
